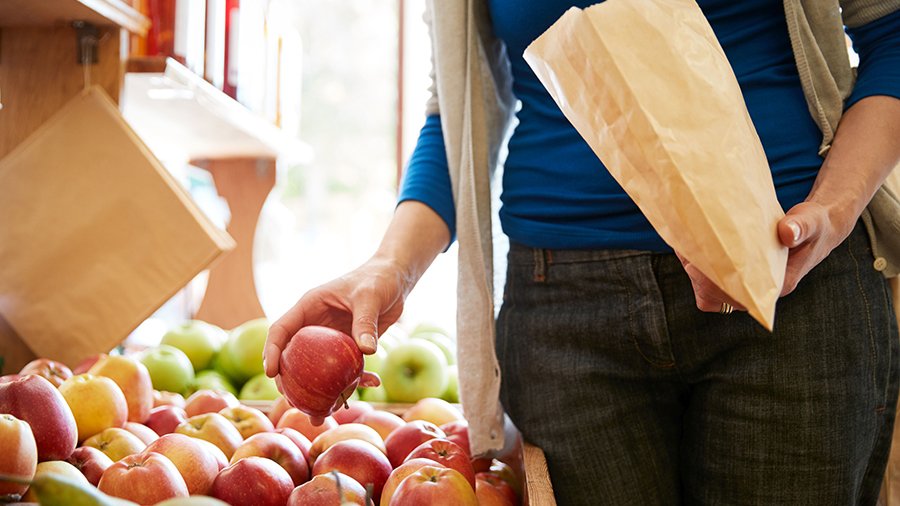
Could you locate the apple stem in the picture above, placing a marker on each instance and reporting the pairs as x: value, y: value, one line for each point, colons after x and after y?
x: 370, y: 493
x: 337, y: 481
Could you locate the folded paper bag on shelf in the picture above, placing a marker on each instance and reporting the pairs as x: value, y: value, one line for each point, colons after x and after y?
x: 95, y: 234
x: 647, y: 85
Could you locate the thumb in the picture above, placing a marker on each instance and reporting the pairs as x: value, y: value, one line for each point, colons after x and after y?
x: 798, y: 225
x: 365, y: 327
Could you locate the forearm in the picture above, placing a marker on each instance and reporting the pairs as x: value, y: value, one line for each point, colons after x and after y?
x: 864, y: 151
x: 414, y: 238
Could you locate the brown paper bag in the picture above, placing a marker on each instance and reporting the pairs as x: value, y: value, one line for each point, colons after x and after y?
x: 95, y: 234
x: 647, y: 84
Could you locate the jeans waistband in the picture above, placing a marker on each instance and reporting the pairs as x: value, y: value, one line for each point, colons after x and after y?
x: 521, y: 254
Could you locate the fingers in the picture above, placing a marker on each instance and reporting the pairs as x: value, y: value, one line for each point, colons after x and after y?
x: 709, y: 296
x: 365, y: 325
x: 280, y: 333
x: 369, y: 379
x: 802, y: 223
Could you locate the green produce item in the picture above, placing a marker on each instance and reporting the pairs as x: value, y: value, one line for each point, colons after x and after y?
x: 447, y: 345
x: 373, y: 394
x: 199, y: 340
x: 242, y: 354
x: 427, y: 328
x: 170, y: 369
x: 55, y: 490
x: 260, y: 388
x: 211, y: 380
x: 452, y: 392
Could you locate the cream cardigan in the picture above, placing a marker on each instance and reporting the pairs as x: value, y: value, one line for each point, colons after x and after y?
x: 471, y: 91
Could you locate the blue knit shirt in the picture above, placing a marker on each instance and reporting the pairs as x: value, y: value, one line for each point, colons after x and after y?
x: 557, y: 193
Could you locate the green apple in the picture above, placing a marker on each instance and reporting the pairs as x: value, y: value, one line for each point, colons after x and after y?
x: 375, y: 362
x: 414, y: 369
x: 223, y: 364
x: 447, y: 345
x: 427, y: 328
x: 212, y: 380
x: 200, y: 341
x: 451, y: 394
x: 170, y: 369
x: 373, y: 394
x: 259, y: 388
x: 390, y: 339
x: 243, y: 352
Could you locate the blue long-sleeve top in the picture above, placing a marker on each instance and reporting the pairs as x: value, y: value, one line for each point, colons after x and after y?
x: 557, y: 193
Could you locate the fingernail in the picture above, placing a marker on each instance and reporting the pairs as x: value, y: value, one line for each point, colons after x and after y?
x: 795, y: 229
x: 368, y: 341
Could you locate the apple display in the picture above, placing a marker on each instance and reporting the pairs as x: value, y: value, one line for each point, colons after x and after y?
x: 435, y: 486
x: 295, y: 419
x: 399, y: 474
x: 34, y: 400
x: 97, y: 403
x: 358, y: 460
x: 253, y: 481
x: 259, y: 388
x: 214, y: 428
x: 195, y: 464
x: 406, y: 438
x: 300, y: 441
x: 436, y: 411
x: 278, y: 409
x: 211, y: 380
x: 414, y: 369
x: 444, y: 343
x: 164, y: 419
x: 145, y: 478
x: 344, y: 432
x: 163, y: 398
x: 248, y: 421
x: 458, y: 432
x: 133, y: 379
x: 199, y: 341
x: 91, y: 462
x: 20, y: 455
x: 243, y: 351
x: 383, y: 422
x: 279, y: 449
x: 209, y: 401
x: 51, y: 370
x: 447, y: 454
x: 492, y: 490
x: 451, y: 394
x: 328, y: 490
x: 319, y: 367
x: 352, y: 412
x: 170, y: 369
x: 144, y: 433
x: 116, y: 443
x: 56, y: 468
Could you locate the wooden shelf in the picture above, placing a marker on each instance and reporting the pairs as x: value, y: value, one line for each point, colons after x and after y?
x: 63, y: 12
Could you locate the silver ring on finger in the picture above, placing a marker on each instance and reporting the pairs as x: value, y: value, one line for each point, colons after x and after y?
x: 726, y: 308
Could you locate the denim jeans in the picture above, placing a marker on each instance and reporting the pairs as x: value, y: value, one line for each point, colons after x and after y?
x: 637, y: 397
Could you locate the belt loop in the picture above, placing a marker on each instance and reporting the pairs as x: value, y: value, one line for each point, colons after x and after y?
x: 540, y: 266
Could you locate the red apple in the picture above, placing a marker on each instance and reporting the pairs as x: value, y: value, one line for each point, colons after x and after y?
x: 458, y: 432
x: 298, y: 439
x: 36, y: 401
x: 134, y: 381
x: 253, y: 481
x: 352, y: 412
x: 164, y: 419
x: 481, y: 464
x: 53, y: 371
x: 163, y: 398
x: 505, y: 472
x: 300, y: 422
x: 145, y: 478
x: 319, y: 367
x: 342, y: 433
x: 116, y: 443
x: 358, y: 460
x: 399, y: 474
x: 277, y: 448
x: 435, y: 486
x: 214, y: 451
x: 431, y: 409
x: 448, y: 454
x: 197, y: 466
x: 281, y: 405
x: 144, y: 433
x: 322, y: 490
x: 209, y: 401
x: 19, y: 454
x: 403, y: 440
x: 91, y: 462
x: 86, y: 364
x: 383, y: 422
x: 493, y: 490
x: 248, y: 421
x: 214, y: 428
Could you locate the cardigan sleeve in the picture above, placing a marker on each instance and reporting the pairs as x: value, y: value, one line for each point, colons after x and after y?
x: 878, y: 45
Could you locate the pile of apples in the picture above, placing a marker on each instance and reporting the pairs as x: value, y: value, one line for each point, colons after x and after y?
x: 109, y: 435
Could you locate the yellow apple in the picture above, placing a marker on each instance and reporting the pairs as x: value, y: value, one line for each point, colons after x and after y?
x: 431, y: 409
x: 97, y: 403
x: 214, y: 428
x: 116, y: 443
x: 134, y: 381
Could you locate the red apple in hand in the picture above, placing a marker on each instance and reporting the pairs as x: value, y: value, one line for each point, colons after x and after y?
x: 53, y: 371
x: 18, y: 454
x: 447, y: 454
x: 358, y: 460
x: 91, y: 462
x: 164, y: 419
x: 435, y: 486
x: 253, y: 481
x: 277, y: 448
x: 36, y: 401
x: 320, y: 368
x: 399, y: 474
x: 300, y: 422
x: 403, y: 440
x: 322, y: 490
x: 194, y: 462
x: 209, y: 401
x: 145, y: 478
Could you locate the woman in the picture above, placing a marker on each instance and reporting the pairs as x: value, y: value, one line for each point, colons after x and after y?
x: 614, y: 356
